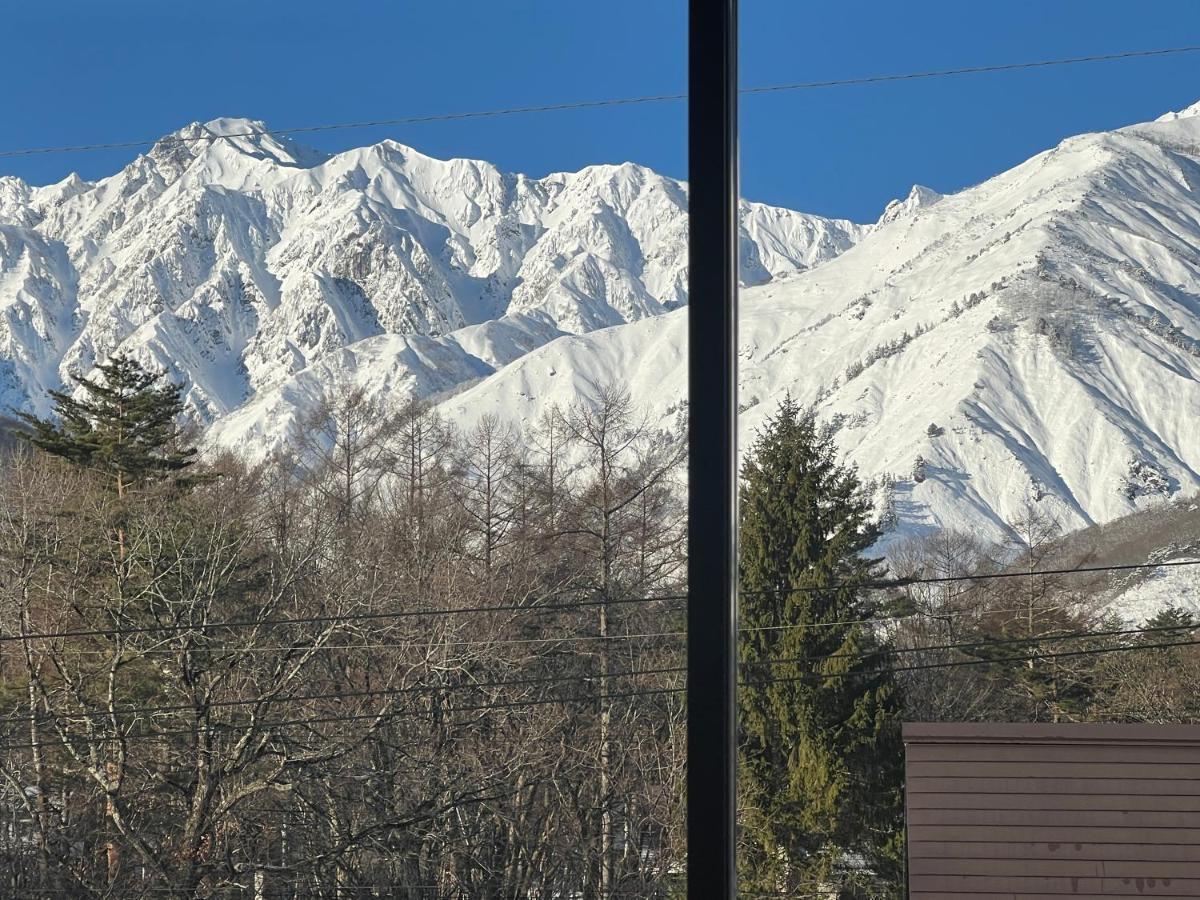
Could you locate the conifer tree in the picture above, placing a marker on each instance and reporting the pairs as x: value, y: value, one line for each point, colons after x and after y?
x: 820, y: 744
x: 125, y: 426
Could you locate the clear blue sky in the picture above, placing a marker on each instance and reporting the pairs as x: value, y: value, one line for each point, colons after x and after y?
x: 78, y: 71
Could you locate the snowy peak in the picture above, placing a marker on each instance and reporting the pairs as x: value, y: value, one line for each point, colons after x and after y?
x: 230, y: 137
x: 918, y: 198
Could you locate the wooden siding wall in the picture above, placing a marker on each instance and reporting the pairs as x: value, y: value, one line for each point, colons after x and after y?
x: 1047, y: 811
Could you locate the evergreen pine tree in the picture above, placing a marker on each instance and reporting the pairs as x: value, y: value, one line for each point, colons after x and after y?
x: 821, y: 758
x: 125, y: 426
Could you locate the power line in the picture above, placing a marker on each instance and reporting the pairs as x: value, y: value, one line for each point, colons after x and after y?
x: 1078, y: 570
x: 582, y: 677
x: 358, y: 717
x: 393, y: 645
x: 982, y: 644
x: 969, y: 70
x: 536, y: 607
x: 331, y: 619
x: 910, y: 581
x: 275, y: 879
x: 904, y: 617
x: 519, y: 704
x: 1093, y: 651
x: 157, y: 709
x: 598, y: 104
x: 341, y: 695
x: 553, y: 639
x: 344, y: 890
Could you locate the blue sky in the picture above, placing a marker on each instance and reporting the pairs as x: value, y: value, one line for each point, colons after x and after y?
x: 83, y: 72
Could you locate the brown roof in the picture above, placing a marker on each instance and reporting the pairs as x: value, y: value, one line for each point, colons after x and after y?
x: 1039, y: 811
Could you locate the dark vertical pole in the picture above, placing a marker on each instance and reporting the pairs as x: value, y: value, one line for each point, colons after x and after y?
x: 712, y: 445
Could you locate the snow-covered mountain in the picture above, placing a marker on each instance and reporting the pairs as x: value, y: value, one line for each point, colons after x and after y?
x: 243, y: 264
x: 1036, y: 337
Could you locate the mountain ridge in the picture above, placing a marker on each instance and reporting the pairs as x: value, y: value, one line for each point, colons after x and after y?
x: 235, y: 262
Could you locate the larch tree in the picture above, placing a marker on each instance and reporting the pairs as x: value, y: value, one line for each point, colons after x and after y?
x: 819, y: 712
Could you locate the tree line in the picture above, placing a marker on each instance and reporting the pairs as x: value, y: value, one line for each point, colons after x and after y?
x: 408, y: 660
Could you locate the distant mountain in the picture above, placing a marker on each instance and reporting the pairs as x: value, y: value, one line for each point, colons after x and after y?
x: 1033, y: 338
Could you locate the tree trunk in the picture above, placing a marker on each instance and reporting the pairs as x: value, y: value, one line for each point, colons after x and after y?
x: 39, y: 769
x: 112, y: 852
x: 605, y: 763
x: 605, y: 702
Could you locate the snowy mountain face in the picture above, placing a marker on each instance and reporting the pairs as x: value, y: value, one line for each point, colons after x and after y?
x: 1035, y: 338
x: 253, y: 269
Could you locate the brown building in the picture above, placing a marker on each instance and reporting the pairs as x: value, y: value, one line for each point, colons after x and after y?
x: 1045, y: 811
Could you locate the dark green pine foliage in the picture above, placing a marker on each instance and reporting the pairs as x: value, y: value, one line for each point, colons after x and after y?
x: 125, y: 426
x: 821, y: 758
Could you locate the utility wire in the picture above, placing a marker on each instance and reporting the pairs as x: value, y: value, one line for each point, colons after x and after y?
x: 904, y: 617
x: 553, y: 639
x: 968, y: 70
x: 569, y: 639
x: 393, y: 645
x: 536, y: 607
x: 273, y: 881
x: 983, y: 644
x: 1079, y: 570
x: 519, y: 704
x: 1092, y: 651
x: 358, y: 717
x: 335, y: 619
x: 909, y: 581
x: 341, y: 695
x: 580, y: 677
x: 601, y: 103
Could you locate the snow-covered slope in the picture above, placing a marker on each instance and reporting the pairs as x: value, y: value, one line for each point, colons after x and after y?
x: 1033, y: 338
x: 1158, y: 590
x: 242, y: 263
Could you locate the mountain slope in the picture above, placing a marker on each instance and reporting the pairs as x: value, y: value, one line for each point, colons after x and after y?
x: 1033, y: 339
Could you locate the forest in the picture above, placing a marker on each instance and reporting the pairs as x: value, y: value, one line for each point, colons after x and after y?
x: 409, y: 660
